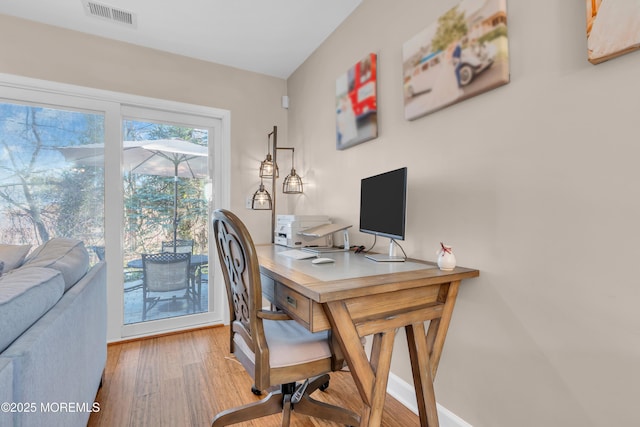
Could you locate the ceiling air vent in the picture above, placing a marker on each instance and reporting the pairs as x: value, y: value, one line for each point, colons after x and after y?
x: 110, y: 13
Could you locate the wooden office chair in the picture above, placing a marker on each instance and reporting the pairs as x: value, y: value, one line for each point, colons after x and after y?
x: 165, y: 273
x: 274, y: 349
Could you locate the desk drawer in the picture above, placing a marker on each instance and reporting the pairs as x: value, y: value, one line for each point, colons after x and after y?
x: 301, y: 308
x: 268, y: 288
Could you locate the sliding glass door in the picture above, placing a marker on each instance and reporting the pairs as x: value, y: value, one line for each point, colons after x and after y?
x: 167, y: 193
x: 167, y: 197
x: 134, y: 178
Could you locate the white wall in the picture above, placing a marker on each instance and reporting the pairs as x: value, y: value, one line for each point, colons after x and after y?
x: 535, y: 184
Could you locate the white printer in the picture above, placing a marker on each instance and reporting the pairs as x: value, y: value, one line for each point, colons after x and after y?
x: 289, y: 227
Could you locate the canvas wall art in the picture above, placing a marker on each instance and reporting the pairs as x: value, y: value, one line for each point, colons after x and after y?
x: 464, y: 53
x: 613, y: 28
x: 356, y: 104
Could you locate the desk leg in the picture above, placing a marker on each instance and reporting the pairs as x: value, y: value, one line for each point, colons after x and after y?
x: 425, y: 351
x: 422, y: 379
x: 370, y: 377
x: 438, y: 328
x: 346, y: 334
x: 381, y: 363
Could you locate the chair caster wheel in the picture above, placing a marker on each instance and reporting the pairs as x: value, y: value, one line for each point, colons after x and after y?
x: 324, y: 386
x: 255, y: 391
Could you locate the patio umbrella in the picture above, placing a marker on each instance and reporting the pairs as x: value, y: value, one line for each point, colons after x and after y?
x: 162, y: 157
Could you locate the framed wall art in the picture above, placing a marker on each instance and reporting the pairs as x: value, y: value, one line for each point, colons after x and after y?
x: 464, y: 53
x: 356, y: 104
x: 613, y: 28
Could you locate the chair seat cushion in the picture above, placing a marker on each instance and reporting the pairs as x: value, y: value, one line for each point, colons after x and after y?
x: 290, y: 344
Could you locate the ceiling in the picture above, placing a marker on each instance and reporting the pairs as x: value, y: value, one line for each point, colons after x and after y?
x: 271, y: 37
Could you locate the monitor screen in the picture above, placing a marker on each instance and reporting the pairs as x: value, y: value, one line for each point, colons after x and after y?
x: 383, y: 200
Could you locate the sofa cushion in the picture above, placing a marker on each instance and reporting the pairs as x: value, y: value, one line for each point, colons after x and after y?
x: 13, y: 255
x: 68, y: 256
x: 25, y: 295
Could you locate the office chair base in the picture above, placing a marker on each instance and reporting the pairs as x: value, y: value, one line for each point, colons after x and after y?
x: 280, y: 401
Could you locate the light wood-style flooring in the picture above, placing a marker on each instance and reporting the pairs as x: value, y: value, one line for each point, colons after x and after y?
x: 183, y: 380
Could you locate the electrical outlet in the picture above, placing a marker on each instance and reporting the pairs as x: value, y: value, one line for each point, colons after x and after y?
x: 247, y: 203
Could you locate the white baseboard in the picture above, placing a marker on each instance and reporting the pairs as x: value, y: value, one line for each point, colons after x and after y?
x: 405, y: 394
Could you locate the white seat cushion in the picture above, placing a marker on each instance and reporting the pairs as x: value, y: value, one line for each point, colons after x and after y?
x: 290, y: 344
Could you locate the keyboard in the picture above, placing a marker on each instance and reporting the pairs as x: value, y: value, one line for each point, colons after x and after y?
x: 297, y: 254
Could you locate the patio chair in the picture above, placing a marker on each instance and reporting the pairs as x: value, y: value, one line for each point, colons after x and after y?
x: 274, y: 349
x: 181, y: 246
x: 165, y: 273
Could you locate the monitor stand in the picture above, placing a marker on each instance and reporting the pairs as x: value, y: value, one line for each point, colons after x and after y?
x: 390, y: 257
x: 324, y: 230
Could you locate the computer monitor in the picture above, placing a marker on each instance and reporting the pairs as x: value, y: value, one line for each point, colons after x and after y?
x: 383, y: 202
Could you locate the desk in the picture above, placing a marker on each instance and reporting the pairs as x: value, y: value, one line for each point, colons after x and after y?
x: 356, y: 297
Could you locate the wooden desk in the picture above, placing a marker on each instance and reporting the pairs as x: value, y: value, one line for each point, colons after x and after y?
x: 356, y: 297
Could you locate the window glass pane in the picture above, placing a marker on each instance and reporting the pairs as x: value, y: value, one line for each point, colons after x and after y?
x: 166, y: 210
x: 51, y: 175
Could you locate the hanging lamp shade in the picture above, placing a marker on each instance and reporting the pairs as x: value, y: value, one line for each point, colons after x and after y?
x: 261, y: 199
x: 266, y: 167
x: 292, y: 183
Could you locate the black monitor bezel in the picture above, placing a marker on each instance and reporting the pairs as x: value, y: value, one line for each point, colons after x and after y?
x: 402, y: 170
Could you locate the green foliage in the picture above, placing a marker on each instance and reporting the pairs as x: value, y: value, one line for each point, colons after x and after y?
x: 40, y: 196
x: 500, y: 31
x: 452, y: 26
x: 149, y: 199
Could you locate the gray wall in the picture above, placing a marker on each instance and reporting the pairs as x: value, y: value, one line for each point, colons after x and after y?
x: 535, y: 184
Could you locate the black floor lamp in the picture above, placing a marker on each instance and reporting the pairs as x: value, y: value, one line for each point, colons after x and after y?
x: 292, y: 184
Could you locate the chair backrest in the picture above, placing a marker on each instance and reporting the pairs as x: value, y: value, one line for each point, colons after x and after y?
x: 166, y: 271
x: 241, y: 273
x: 180, y: 246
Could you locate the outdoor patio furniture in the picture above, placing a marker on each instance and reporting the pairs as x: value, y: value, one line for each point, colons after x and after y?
x: 166, y: 274
x: 179, y: 246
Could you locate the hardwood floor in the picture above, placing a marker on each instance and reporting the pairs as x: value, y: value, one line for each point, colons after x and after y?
x: 185, y: 379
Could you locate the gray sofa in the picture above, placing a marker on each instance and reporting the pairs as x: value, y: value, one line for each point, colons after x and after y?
x: 52, y: 336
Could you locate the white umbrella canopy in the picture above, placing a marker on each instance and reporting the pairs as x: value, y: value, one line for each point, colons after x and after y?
x: 162, y: 157
x: 166, y: 157
x: 150, y: 157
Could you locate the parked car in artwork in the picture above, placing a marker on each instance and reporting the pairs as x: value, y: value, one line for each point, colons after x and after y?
x: 474, y: 60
